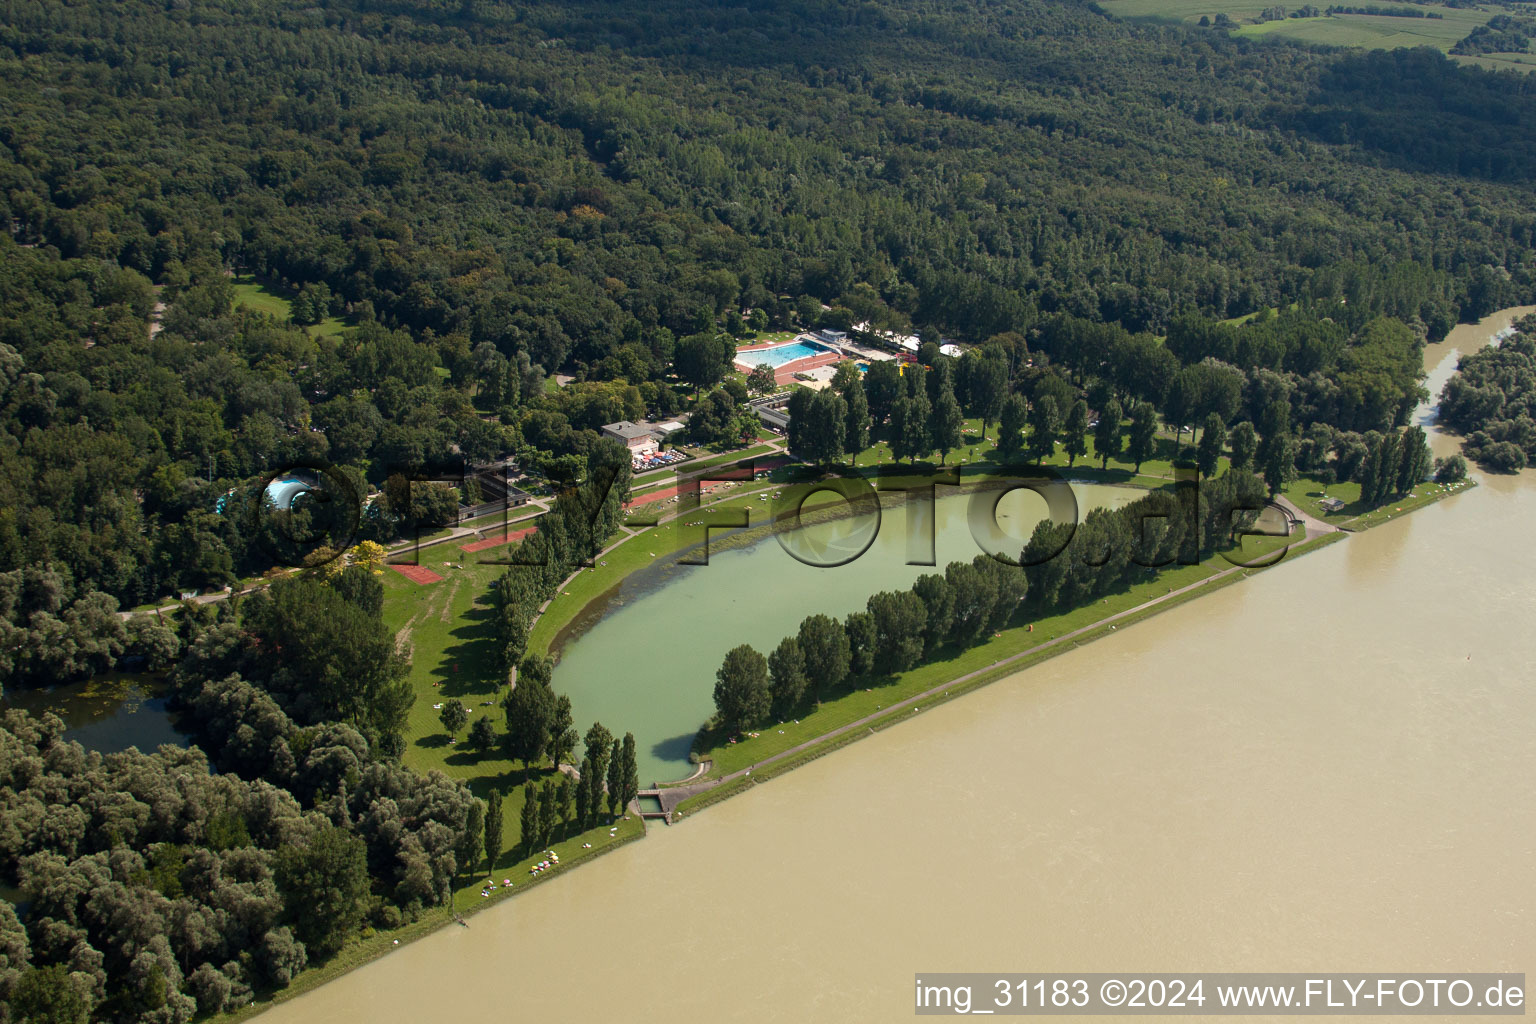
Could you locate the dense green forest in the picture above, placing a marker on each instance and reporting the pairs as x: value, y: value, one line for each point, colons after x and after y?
x: 159, y: 885
x: 490, y: 193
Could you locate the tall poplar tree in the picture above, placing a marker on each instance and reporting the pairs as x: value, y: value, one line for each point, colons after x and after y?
x: 1106, y: 436
x: 1074, y: 435
x: 493, y: 827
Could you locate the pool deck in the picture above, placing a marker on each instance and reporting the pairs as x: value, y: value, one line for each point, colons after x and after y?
x: 785, y: 374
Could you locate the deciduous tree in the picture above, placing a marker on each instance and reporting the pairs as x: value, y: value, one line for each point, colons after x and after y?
x: 824, y: 645
x: 742, y: 694
x: 1074, y: 435
x: 324, y: 882
x: 454, y: 716
x: 1212, y: 439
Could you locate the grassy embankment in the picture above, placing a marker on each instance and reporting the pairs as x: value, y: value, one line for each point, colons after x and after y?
x: 851, y: 706
x: 1306, y: 492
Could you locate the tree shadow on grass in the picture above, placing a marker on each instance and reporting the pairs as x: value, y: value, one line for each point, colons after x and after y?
x: 509, y: 780
x: 468, y: 666
x: 466, y: 756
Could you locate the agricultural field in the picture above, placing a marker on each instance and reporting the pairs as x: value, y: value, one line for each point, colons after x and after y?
x: 1184, y: 11
x: 1500, y: 61
x: 1375, y: 32
x: 1367, y: 31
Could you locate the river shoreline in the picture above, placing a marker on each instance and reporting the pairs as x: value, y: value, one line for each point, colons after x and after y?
x: 376, y: 947
x: 1000, y: 669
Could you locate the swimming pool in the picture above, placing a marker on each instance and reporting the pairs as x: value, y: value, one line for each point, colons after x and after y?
x: 286, y: 491
x: 780, y: 354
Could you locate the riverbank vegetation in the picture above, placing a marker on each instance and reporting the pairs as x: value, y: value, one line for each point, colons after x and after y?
x: 163, y: 889
x: 1491, y: 401
x: 1064, y: 565
x: 298, y: 835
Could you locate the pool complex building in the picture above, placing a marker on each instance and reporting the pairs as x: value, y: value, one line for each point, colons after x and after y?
x: 789, y: 357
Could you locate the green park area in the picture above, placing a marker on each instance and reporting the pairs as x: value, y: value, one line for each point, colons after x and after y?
x: 1308, y: 493
x: 264, y: 297
x: 445, y: 626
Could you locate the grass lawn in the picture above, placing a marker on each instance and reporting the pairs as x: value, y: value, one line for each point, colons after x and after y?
x: 724, y: 458
x: 491, y: 519
x: 767, y: 338
x: 251, y: 295
x: 1305, y: 492
x: 1273, y: 311
x: 405, y: 552
x: 263, y: 298
x: 976, y: 453
x: 447, y: 628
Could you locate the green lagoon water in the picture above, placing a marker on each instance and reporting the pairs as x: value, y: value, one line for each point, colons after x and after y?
x: 109, y: 713
x: 643, y: 660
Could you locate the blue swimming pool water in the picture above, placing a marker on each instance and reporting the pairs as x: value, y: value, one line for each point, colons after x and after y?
x: 780, y: 354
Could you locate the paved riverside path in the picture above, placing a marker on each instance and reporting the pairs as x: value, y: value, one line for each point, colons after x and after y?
x: 1315, y: 526
x: 675, y: 795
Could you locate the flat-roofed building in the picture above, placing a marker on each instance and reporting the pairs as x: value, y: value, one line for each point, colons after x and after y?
x: 639, y: 440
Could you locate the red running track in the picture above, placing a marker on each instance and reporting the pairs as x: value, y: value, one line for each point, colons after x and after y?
x: 417, y: 573
x: 495, y: 542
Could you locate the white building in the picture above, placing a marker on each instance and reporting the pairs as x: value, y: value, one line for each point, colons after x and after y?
x: 636, y: 438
